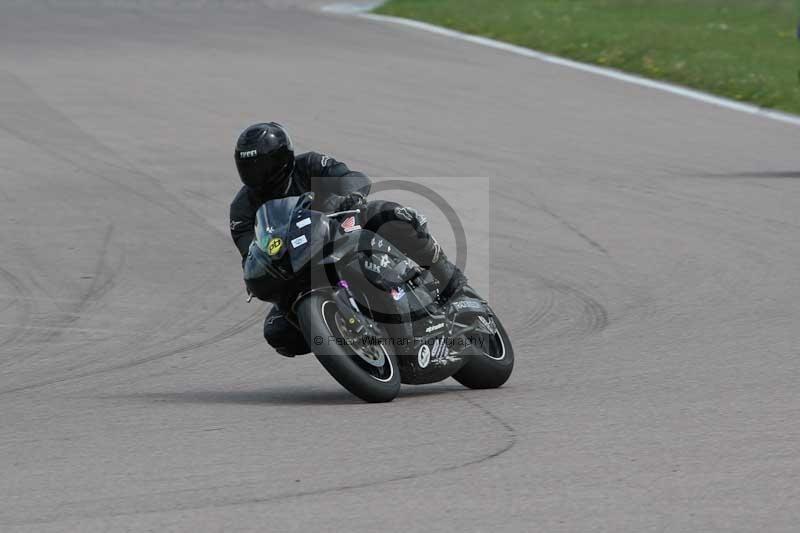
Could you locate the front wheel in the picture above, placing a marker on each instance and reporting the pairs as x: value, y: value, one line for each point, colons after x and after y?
x: 368, y: 370
x: 492, y: 363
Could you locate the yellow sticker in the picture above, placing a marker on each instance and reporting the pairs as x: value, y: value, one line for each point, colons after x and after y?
x: 274, y: 246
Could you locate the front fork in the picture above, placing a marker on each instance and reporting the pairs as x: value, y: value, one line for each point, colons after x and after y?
x: 346, y: 303
x: 341, y: 294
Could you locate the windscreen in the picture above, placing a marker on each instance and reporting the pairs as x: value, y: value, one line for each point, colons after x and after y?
x: 284, y: 224
x: 272, y: 223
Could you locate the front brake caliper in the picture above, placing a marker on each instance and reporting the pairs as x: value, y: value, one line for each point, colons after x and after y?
x: 348, y: 307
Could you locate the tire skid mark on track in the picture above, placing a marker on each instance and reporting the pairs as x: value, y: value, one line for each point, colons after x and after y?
x: 26, y: 97
x: 540, y: 310
x: 227, y: 333
x: 72, y: 301
x: 771, y: 174
x: 705, y: 204
x: 509, y: 429
x: 551, y: 296
x: 103, y: 280
x: 593, y: 317
x: 255, y: 318
x: 25, y: 308
x: 239, y: 327
x: 10, y: 301
x: 509, y: 443
x: 91, y: 148
x: 75, y: 164
x: 538, y: 204
x: 103, y: 277
x: 200, y: 324
x: 574, y: 229
x: 561, y: 300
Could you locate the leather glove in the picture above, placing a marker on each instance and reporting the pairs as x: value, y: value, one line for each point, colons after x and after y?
x: 354, y: 200
x: 331, y: 203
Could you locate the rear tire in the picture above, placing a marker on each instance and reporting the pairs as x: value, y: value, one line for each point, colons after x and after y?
x: 372, y: 374
x: 489, y: 370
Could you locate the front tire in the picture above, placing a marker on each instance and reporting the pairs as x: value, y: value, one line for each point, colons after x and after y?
x: 369, y: 372
x: 491, y: 367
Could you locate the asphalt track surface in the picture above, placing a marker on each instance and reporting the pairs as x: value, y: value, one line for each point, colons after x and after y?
x: 645, y: 261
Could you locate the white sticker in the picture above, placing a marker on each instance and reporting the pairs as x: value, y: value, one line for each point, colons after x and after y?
x: 430, y: 329
x: 440, y: 350
x: 424, y: 356
x: 299, y: 241
x: 303, y: 223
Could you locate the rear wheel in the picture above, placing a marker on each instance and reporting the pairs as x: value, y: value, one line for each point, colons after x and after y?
x: 493, y: 362
x: 367, y: 369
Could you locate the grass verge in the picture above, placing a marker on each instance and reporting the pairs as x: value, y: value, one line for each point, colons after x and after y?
x: 747, y: 50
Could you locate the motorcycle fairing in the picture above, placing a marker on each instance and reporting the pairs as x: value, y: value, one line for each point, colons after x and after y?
x: 303, y: 232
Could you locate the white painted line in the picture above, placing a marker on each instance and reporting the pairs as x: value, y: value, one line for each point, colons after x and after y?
x: 360, y: 11
x: 352, y: 8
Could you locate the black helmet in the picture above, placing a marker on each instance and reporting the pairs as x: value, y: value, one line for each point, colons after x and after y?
x: 265, y: 157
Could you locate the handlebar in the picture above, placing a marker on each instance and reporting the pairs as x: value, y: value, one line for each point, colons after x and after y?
x: 340, y: 213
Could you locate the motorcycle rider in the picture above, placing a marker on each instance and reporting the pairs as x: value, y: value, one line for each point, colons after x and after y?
x: 269, y: 169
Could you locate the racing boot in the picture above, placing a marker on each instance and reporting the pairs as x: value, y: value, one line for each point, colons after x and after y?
x: 423, y: 248
x: 452, y: 281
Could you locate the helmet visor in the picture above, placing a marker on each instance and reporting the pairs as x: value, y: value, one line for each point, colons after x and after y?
x: 265, y: 172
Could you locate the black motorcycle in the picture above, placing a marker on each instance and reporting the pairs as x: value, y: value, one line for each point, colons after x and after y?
x: 369, y: 313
